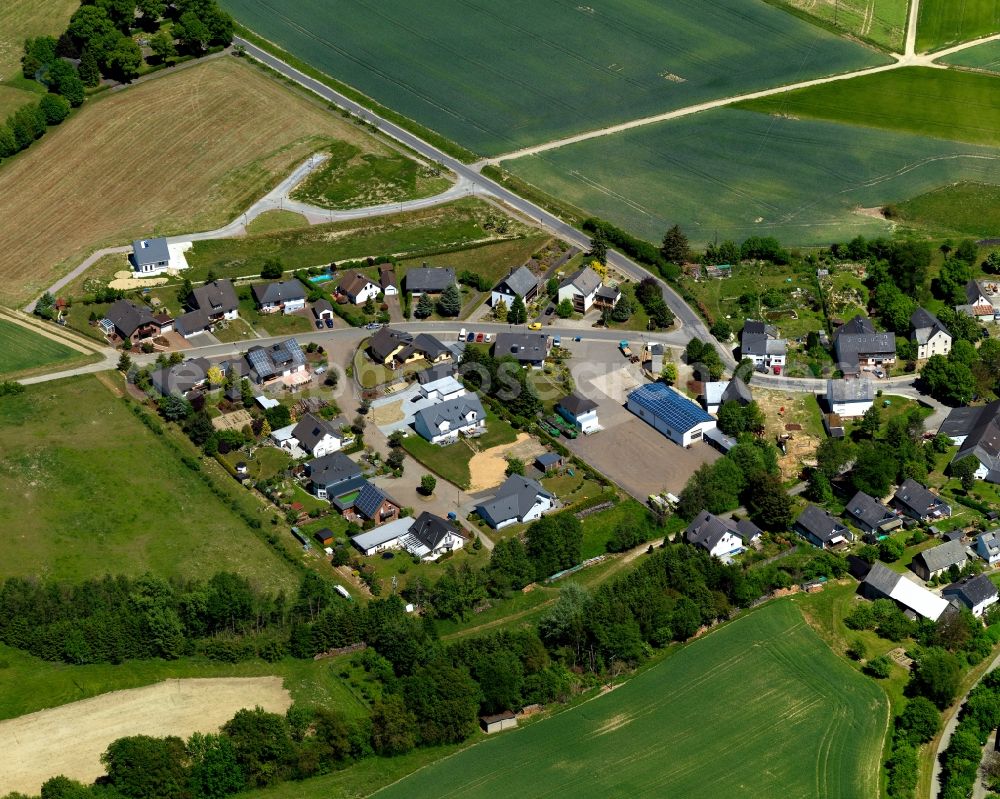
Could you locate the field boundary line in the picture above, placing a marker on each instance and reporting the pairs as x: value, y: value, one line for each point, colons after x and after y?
x: 61, y: 337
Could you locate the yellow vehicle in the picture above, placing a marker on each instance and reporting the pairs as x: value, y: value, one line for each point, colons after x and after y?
x: 535, y: 326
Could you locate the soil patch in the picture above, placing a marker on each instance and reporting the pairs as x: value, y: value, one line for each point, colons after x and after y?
x: 487, y: 468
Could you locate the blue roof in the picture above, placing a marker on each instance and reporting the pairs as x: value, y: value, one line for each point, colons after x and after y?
x: 669, y: 405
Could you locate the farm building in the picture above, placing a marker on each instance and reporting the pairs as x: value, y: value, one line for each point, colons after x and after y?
x: 857, y: 345
x: 929, y: 336
x: 580, y: 412
x: 529, y: 349
x: 914, y: 600
x: 976, y: 430
x: 287, y: 296
x: 521, y: 282
x: 429, y: 280
x: 937, y: 560
x: 518, y: 499
x: 670, y: 413
x: 581, y: 289
x: 975, y: 593
x: 849, y: 398
x: 498, y: 722
x: 444, y: 422
x: 988, y: 546
x: 720, y: 536
x: 821, y: 529
x: 918, y: 502
x: 871, y: 516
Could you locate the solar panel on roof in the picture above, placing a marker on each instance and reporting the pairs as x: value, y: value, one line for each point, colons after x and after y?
x: 667, y: 404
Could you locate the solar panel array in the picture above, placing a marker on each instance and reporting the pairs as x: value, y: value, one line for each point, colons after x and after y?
x: 666, y: 404
x: 369, y: 500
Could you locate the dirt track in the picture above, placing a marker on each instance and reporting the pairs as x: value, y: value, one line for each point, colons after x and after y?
x: 70, y: 739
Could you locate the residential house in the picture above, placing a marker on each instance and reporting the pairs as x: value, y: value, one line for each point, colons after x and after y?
x: 131, y: 322
x: 982, y: 301
x: 284, y: 360
x: 436, y: 372
x: 580, y: 412
x: 211, y: 303
x: 357, y: 287
x: 440, y: 390
x: 914, y: 600
x: 429, y: 280
x: 988, y: 546
x: 858, y: 345
x: 607, y: 297
x: 719, y: 536
x: 975, y: 593
x: 365, y: 502
x: 316, y: 436
x: 918, y: 503
x: 549, y: 462
x: 718, y: 393
x: 581, y: 289
x: 517, y: 500
x: 670, y: 412
x: 430, y: 348
x: 180, y: 378
x: 287, y: 296
x: 759, y: 342
x: 937, y: 560
x: 430, y: 537
x: 929, y: 336
x: 384, y: 537
x: 849, y: 398
x: 386, y: 343
x: 393, y: 348
x: 529, y: 349
x: 444, y: 422
x: 976, y: 430
x: 150, y: 256
x: 322, y: 309
x: 330, y: 472
x: 821, y: 529
x: 387, y: 280
x: 521, y: 282
x: 871, y: 516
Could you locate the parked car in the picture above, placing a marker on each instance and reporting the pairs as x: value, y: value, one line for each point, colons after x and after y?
x: 549, y: 311
x: 488, y: 338
x: 371, y: 326
x: 319, y: 324
x: 535, y: 326
x: 470, y: 337
x: 479, y: 338
x: 329, y: 323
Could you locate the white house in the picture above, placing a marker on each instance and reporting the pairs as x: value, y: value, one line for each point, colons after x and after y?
x: 580, y: 412
x: 384, y: 537
x: 287, y: 296
x: 521, y: 282
x: 988, y: 547
x: 518, y: 500
x: 441, y: 390
x: 317, y: 437
x: 849, y: 398
x: 430, y: 537
x: 670, y: 413
x: 721, y: 536
x: 581, y: 289
x: 930, y: 337
x: 150, y: 256
x: 982, y: 300
x: 387, y: 280
x: 358, y: 288
x: 976, y: 593
x: 976, y: 430
x: 718, y: 393
x: 442, y: 423
x: 760, y: 343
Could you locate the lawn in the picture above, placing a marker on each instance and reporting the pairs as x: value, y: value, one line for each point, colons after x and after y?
x: 814, y: 721
x: 598, y: 528
x: 22, y: 349
x: 443, y: 227
x: 968, y: 209
x: 352, y: 178
x: 768, y: 183
x: 985, y: 57
x: 496, y: 77
x: 269, y: 221
x: 12, y: 98
x: 276, y: 324
x: 945, y: 22
x: 86, y: 489
x: 947, y: 104
x: 452, y: 462
x: 24, y: 18
x: 209, y: 140
x: 882, y: 22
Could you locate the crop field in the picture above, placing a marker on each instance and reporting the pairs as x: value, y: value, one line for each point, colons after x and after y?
x: 971, y: 209
x: 947, y: 104
x: 23, y: 18
x: 799, y: 180
x: 985, y: 57
x: 496, y: 77
x: 86, y: 489
x: 880, y: 21
x: 183, y: 152
x: 21, y: 349
x: 351, y: 178
x: 777, y: 695
x: 945, y: 22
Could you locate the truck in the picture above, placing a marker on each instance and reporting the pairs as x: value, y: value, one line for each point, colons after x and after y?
x: 624, y: 347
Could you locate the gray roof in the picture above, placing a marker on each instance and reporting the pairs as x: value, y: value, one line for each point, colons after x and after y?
x: 821, y: 524
x: 453, y: 411
x: 127, y: 317
x: 972, y: 591
x: 609, y: 293
x: 754, y: 327
x: 430, y: 346
x: 991, y: 540
x: 525, y: 347
x: 192, y: 322
x: 576, y: 405
x: 436, y: 372
x: 982, y: 441
x: 515, y: 497
x: 430, y: 530
x: 370, y: 500
x: 962, y: 421
x: 858, y: 390
x: 269, y: 361
x: 332, y: 469
x: 310, y: 430
x: 762, y: 344
x: 707, y: 530
x: 737, y: 391
x: 925, y: 325
x: 180, y: 378
x: 321, y: 305
x: 217, y: 297
x: 586, y: 281
x: 282, y: 291
x: 916, y: 497
x: 869, y: 510
x: 547, y: 459
x: 882, y: 578
x: 859, y: 337
x: 150, y: 251
x: 431, y: 279
x: 386, y: 340
x: 950, y: 553
x: 520, y: 281
x: 973, y: 291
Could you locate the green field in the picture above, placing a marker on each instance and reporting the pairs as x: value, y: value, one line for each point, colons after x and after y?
x: 12, y: 98
x: 985, y: 57
x: 760, y: 708
x: 22, y: 350
x: 496, y: 77
x: 350, y: 178
x: 945, y: 22
x: 23, y: 18
x: 882, y: 22
x: 86, y: 489
x: 971, y: 209
x: 947, y: 104
x: 799, y: 180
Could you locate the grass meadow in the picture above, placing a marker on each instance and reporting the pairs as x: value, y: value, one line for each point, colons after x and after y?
x: 23, y: 18
x: 496, y: 77
x: 12, y: 98
x: 21, y: 349
x: 183, y: 152
x: 731, y: 174
x: 985, y: 57
x: 777, y: 695
x: 882, y: 22
x: 970, y: 209
x: 947, y: 104
x: 945, y: 22
x: 86, y: 489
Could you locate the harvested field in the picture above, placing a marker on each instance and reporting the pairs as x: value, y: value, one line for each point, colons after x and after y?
x: 880, y: 21
x: 193, y: 148
x: 24, y: 18
x: 70, y: 739
x: 487, y: 468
